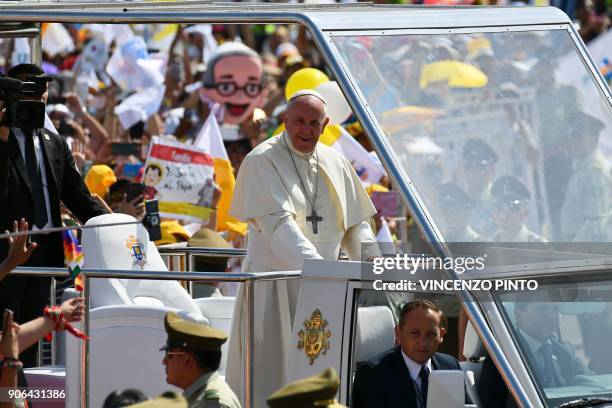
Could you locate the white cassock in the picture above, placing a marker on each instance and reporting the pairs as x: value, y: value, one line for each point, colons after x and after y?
x: 270, y: 197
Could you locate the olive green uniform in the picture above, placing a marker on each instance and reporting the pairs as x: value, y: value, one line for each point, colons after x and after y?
x: 209, y: 391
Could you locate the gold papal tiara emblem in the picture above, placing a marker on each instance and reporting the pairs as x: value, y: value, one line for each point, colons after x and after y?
x: 313, y: 340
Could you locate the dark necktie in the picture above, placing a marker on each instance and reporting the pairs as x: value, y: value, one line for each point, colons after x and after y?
x: 33, y: 167
x: 547, y: 368
x: 424, y: 375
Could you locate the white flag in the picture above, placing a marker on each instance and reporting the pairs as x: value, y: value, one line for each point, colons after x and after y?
x: 131, y: 67
x: 369, y: 170
x: 56, y: 39
x: 210, y: 139
x: 140, y: 106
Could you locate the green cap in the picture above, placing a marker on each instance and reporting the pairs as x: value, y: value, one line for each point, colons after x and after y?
x: 166, y: 400
x: 316, y: 391
x: 191, y: 335
x: 207, y: 238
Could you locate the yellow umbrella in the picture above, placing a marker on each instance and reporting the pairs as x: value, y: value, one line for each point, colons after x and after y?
x: 455, y: 73
x: 407, y: 116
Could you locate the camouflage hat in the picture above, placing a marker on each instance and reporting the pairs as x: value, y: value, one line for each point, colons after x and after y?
x: 166, y: 400
x: 316, y: 391
x: 191, y: 335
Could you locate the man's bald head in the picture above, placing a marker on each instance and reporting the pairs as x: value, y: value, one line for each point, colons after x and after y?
x: 305, y: 119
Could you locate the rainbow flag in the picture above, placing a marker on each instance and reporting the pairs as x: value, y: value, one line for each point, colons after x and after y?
x: 73, y: 258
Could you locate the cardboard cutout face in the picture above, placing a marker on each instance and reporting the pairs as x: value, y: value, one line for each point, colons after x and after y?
x: 237, y: 87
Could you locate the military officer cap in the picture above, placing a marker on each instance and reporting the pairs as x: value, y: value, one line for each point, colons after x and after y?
x: 166, y: 400
x: 316, y: 391
x: 478, y: 154
x: 509, y: 189
x: 191, y: 335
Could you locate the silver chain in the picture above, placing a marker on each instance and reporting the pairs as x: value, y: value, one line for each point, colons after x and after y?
x: 312, y: 203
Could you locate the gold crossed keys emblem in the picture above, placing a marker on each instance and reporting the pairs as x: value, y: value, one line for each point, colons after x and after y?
x: 313, y: 340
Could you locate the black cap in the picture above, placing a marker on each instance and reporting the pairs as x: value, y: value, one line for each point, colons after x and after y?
x: 508, y: 189
x: 475, y: 151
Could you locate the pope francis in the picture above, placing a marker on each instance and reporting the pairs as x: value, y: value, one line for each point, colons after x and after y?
x: 302, y: 200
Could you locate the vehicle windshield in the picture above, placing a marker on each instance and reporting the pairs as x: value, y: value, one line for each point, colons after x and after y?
x: 505, y: 135
x: 563, y: 331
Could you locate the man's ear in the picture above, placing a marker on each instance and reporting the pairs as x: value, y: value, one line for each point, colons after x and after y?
x: 442, y: 333
x: 325, y: 123
x: 397, y: 334
x: 190, y: 361
x: 283, y: 117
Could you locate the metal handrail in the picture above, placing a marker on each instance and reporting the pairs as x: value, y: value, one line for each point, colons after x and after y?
x: 207, y: 251
x: 248, y: 279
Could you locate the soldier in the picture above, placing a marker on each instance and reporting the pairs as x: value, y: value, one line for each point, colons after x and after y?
x: 193, y: 355
x: 316, y: 391
x: 511, y: 210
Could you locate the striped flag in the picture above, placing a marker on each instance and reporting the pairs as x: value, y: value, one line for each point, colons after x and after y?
x: 73, y: 258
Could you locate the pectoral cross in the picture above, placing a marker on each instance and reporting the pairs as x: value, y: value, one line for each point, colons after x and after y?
x: 314, y: 219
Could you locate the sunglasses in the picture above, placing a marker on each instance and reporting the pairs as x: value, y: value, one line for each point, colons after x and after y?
x: 168, y: 354
x: 230, y: 88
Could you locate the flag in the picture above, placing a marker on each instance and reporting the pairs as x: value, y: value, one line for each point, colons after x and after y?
x: 208, y: 40
x: 133, y: 69
x: 369, y: 170
x: 56, y: 39
x: 73, y: 258
x: 209, y: 139
x: 162, y: 39
x: 140, y: 106
x: 108, y: 33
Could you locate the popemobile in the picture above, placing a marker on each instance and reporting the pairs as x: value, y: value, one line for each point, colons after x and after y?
x: 479, y: 115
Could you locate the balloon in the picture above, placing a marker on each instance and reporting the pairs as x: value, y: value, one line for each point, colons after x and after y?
x: 305, y: 78
x: 338, y: 108
x: 330, y: 134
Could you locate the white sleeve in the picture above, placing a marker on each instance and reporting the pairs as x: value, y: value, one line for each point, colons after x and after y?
x: 359, y: 243
x: 286, y: 238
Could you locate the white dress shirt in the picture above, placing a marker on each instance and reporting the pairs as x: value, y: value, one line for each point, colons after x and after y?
x: 415, y: 368
x: 20, y: 136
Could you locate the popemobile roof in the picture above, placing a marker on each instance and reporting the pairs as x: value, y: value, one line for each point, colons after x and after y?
x: 356, y: 16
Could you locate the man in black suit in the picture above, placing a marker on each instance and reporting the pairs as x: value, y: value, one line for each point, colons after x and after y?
x: 400, y: 377
x: 37, y: 171
x: 552, y: 360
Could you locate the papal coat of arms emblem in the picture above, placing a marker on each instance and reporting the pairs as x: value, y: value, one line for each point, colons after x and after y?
x: 137, y: 251
x: 314, y: 339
